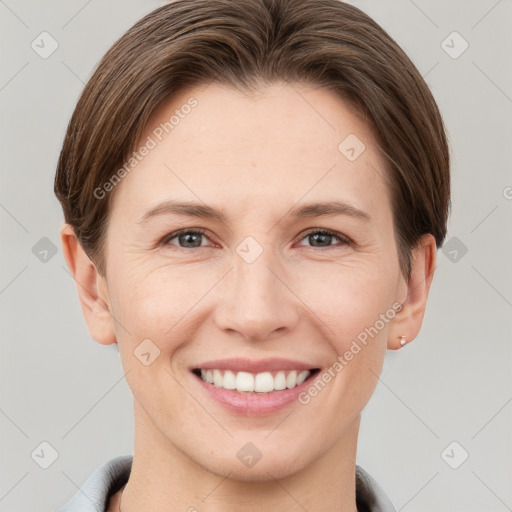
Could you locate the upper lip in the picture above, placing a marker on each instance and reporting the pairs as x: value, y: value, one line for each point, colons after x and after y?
x: 252, y: 365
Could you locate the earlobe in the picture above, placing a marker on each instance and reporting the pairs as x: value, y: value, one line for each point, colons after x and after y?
x: 407, y: 322
x: 91, y: 288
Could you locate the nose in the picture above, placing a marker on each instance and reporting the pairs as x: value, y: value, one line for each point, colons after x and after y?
x: 256, y: 302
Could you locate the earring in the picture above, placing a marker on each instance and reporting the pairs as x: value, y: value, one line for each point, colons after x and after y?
x: 402, y: 340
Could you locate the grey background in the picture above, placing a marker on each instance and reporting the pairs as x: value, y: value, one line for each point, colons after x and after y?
x: 451, y: 384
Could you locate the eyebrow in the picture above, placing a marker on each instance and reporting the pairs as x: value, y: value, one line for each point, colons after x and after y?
x: 202, y: 211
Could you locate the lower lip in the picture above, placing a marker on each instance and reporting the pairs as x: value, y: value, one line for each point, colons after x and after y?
x: 255, y: 404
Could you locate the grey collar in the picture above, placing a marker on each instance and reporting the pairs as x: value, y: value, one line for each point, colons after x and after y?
x: 106, y: 480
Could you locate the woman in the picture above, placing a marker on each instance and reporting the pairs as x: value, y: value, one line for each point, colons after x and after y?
x: 254, y: 193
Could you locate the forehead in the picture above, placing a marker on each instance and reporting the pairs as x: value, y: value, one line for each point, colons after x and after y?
x: 272, y: 147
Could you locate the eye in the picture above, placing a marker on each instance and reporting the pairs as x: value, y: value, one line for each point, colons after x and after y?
x: 192, y: 238
x: 323, y: 237
x: 187, y: 238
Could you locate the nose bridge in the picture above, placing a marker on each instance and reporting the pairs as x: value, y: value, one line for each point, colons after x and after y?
x: 257, y: 302
x: 252, y: 275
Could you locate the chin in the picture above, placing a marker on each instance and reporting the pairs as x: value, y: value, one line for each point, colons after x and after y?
x: 261, y: 471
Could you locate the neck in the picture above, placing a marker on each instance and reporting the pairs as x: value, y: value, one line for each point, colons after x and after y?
x: 165, y: 479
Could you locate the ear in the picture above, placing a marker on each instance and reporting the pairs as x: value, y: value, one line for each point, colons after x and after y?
x: 91, y: 287
x: 407, y: 322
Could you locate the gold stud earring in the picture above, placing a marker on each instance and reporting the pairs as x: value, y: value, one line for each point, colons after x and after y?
x: 402, y: 340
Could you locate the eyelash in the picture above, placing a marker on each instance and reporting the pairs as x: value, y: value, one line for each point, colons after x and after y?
x: 199, y: 231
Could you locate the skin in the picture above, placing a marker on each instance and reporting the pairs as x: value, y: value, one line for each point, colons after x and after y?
x: 267, y: 153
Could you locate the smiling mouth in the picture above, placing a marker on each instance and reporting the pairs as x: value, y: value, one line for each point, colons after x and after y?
x: 245, y: 382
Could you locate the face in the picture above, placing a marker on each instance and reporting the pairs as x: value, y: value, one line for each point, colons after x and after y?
x: 267, y: 285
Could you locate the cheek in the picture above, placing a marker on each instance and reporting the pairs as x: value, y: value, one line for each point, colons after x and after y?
x: 166, y: 302
x: 347, y: 298
x: 354, y: 307
x: 159, y: 312
x: 154, y: 304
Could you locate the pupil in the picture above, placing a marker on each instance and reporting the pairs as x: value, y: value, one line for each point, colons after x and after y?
x: 188, y: 236
x: 319, y: 235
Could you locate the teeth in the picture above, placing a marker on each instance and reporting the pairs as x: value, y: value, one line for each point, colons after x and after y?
x: 207, y: 375
x: 291, y: 379
x: 217, y: 378
x: 264, y: 382
x: 261, y: 383
x: 244, y: 381
x: 280, y: 381
x: 229, y: 381
x: 302, y: 377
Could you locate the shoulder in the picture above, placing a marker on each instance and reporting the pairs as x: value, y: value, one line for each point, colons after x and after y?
x: 106, y: 480
x: 370, y: 496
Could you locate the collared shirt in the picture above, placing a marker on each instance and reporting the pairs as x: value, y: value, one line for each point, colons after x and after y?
x: 95, y: 493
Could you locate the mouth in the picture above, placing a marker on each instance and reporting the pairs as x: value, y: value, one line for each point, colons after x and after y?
x: 254, y: 387
x: 255, y: 383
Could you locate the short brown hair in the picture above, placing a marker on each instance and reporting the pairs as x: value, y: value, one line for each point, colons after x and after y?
x: 245, y: 43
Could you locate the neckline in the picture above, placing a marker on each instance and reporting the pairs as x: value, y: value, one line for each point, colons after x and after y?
x: 370, y: 497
